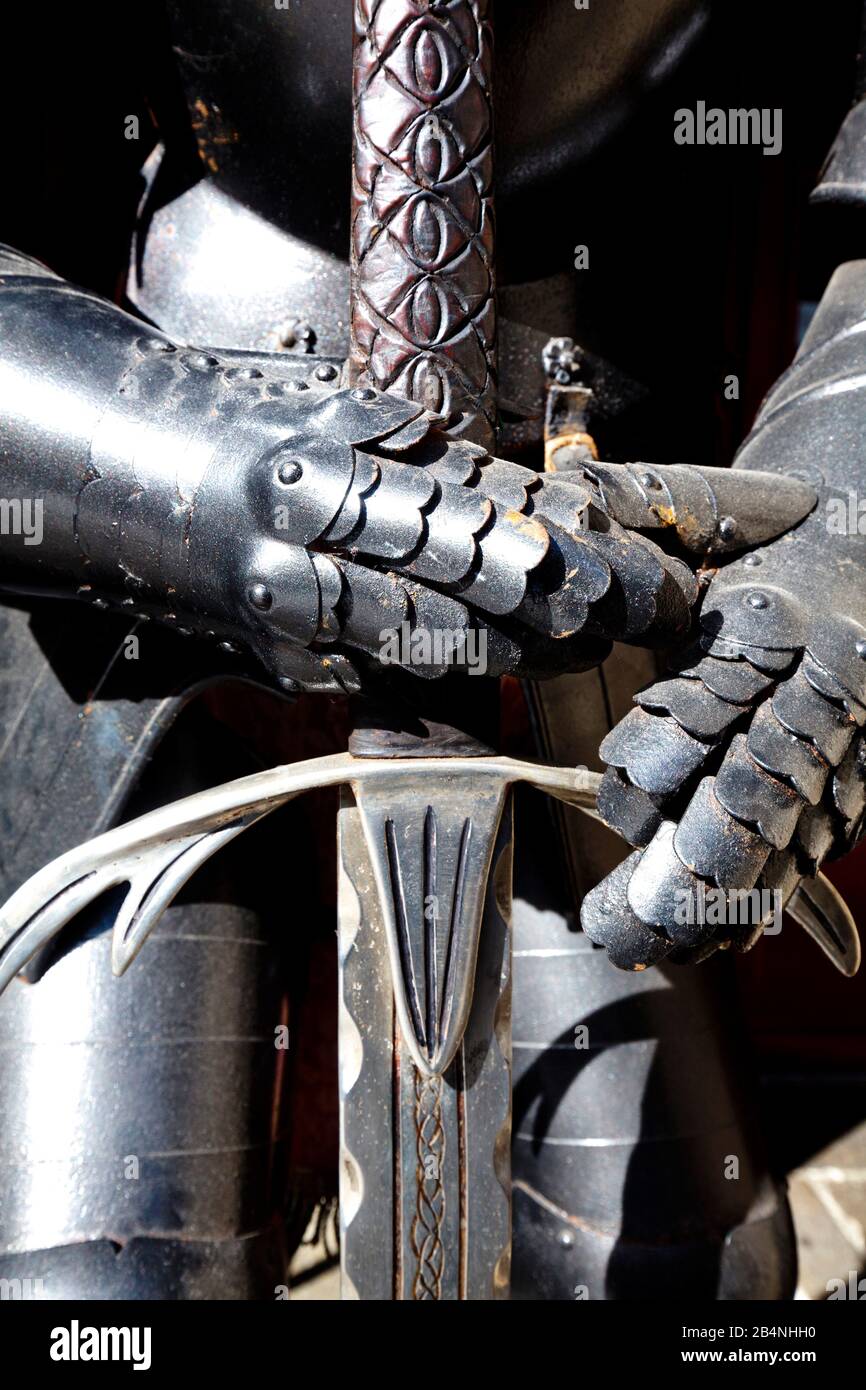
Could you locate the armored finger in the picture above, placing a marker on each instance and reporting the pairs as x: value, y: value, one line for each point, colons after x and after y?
x: 710, y: 509
x: 783, y: 783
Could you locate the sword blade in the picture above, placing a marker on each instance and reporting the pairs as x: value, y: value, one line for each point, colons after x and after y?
x: 425, y: 1168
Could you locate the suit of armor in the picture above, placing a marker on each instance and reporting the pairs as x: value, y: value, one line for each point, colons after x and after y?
x: 306, y: 486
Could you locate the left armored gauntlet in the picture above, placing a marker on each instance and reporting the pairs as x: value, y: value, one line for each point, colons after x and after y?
x: 256, y: 501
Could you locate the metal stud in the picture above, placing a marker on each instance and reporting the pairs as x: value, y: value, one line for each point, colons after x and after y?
x: 290, y: 471
x: 199, y: 361
x: 260, y: 597
x: 243, y: 374
x: 154, y: 345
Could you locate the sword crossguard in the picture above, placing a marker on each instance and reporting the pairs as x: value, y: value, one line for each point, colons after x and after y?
x: 429, y: 823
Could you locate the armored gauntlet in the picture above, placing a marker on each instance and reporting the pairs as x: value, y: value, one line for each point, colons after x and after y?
x: 745, y: 768
x: 256, y: 501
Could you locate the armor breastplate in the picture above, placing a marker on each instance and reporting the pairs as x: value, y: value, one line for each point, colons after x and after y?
x: 269, y: 91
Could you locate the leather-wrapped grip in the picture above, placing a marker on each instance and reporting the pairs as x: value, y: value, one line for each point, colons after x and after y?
x: 423, y: 316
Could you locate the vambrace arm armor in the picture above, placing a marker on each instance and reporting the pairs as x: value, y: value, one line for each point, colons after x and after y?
x: 304, y: 521
x: 745, y: 768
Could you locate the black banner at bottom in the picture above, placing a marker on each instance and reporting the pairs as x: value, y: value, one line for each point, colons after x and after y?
x: 58, y: 1340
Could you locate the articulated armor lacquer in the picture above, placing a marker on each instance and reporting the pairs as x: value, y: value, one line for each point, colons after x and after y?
x: 347, y: 500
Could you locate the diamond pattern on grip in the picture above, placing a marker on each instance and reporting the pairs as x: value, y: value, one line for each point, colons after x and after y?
x: 423, y: 320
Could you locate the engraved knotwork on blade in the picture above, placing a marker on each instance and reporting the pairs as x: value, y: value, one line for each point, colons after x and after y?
x: 426, y: 1231
x: 431, y: 844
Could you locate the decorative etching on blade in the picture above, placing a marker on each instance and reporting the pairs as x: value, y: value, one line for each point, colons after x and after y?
x: 427, y: 1242
x: 429, y: 915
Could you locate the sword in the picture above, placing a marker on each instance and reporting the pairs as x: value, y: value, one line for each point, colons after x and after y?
x: 425, y: 1045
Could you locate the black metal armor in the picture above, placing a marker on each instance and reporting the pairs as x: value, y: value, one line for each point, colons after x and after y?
x: 745, y: 768
x: 312, y: 486
x: 251, y: 504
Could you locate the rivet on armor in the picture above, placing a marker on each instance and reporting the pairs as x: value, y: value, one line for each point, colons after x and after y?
x: 363, y: 393
x: 297, y: 386
x: 757, y: 600
x: 154, y: 345
x: 243, y: 374
x: 297, y: 331
x: 860, y: 649
x: 229, y: 647
x: 649, y: 480
x: 326, y: 372
x: 199, y: 361
x: 290, y: 471
x: 753, y: 561
x: 727, y: 528
x: 260, y: 597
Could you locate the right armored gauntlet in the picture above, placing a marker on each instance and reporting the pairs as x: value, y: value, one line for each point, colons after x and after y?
x: 746, y: 768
